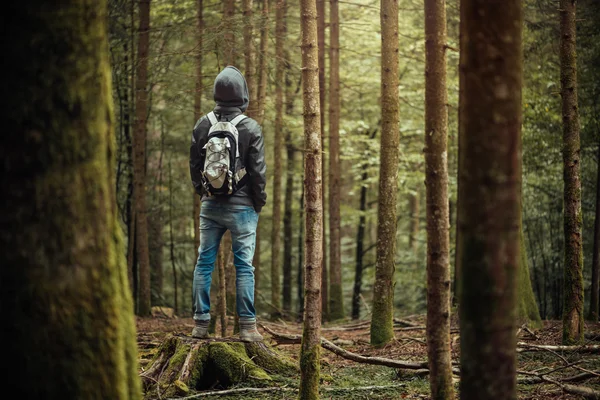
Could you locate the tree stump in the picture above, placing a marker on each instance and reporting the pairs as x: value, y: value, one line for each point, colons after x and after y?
x: 183, y: 364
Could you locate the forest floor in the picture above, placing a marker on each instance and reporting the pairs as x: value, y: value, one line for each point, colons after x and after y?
x: 345, y: 379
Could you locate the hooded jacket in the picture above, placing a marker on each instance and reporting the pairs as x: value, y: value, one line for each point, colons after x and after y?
x: 230, y: 93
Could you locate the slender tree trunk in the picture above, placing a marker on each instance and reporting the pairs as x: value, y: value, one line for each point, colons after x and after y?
x: 573, y: 281
x: 172, y: 243
x: 64, y: 295
x: 594, y: 301
x: 198, y: 112
x: 250, y: 58
x: 301, y: 254
x: 228, y: 26
x: 288, y: 235
x: 277, y: 155
x: 322, y: 101
x: 413, y: 205
x: 527, y: 308
x: 139, y: 160
x: 311, y: 336
x: 336, y: 295
x: 262, y: 85
x: 437, y: 209
x: 490, y: 123
x: 360, y: 239
x: 382, y: 329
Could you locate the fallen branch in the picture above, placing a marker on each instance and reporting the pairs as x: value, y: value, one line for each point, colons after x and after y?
x: 326, y: 344
x: 285, y: 389
x: 521, y: 347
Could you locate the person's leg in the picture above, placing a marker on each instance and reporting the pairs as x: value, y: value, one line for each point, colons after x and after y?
x: 243, y: 240
x: 211, y: 231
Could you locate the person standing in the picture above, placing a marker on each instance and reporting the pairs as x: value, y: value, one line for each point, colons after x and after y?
x: 228, y: 171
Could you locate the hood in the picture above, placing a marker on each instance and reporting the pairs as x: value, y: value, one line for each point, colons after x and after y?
x: 230, y: 89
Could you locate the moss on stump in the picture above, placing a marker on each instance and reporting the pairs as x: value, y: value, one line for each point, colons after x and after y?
x: 184, y: 364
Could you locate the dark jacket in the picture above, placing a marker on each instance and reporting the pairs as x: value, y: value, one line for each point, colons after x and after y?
x: 231, y: 96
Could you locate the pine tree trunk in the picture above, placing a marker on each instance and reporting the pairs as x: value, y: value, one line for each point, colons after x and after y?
x: 229, y: 42
x: 139, y: 160
x: 573, y: 275
x: 198, y: 112
x: 490, y: 123
x: 594, y: 301
x: 262, y: 85
x: 413, y: 205
x: 527, y: 308
x: 382, y: 330
x: 437, y: 209
x: 63, y: 283
x: 360, y: 239
x: 250, y: 58
x: 277, y: 155
x: 311, y: 336
x: 300, y: 277
x: 322, y: 101
x: 336, y: 295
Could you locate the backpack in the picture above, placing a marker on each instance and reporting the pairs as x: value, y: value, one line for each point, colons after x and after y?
x: 221, y: 173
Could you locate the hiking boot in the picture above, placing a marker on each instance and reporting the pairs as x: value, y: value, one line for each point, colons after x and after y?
x: 248, y: 332
x: 200, y: 331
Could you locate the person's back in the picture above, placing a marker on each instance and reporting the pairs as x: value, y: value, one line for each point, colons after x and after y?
x: 237, y: 211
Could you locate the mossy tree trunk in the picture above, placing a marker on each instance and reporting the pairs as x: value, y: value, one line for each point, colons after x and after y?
x: 64, y: 294
x: 336, y: 295
x: 594, y: 301
x: 183, y: 364
x: 277, y: 157
x: 139, y: 161
x: 490, y: 123
x: 527, y: 308
x: 382, y: 329
x: 313, y: 206
x: 437, y: 209
x: 573, y: 275
x: 321, y: 11
x: 198, y: 110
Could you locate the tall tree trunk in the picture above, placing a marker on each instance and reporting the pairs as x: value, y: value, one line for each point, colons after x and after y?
x: 311, y: 336
x: 527, y: 308
x: 300, y: 276
x: 382, y: 329
x: 63, y: 281
x: 360, y: 238
x: 490, y: 123
x: 198, y: 111
x: 322, y: 102
x: 139, y: 160
x: 228, y: 26
x: 277, y: 155
x: 250, y: 58
x: 413, y: 205
x: 594, y: 301
x: 262, y: 85
x: 437, y: 209
x: 288, y: 235
x: 573, y: 281
x: 336, y: 295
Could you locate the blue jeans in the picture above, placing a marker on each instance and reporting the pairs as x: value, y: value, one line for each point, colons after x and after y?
x: 215, y: 220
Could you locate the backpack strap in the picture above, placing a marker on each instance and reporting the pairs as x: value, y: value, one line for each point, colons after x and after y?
x: 238, y: 119
x: 212, y: 118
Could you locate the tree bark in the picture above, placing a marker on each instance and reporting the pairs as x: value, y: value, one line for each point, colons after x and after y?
x: 336, y: 295
x: 321, y: 10
x: 228, y: 26
x: 277, y: 155
x: 360, y: 238
x: 437, y: 209
x: 573, y: 275
x: 250, y: 58
x: 383, y: 290
x: 63, y: 283
x: 311, y: 337
x: 413, y: 205
x: 262, y: 85
x: 139, y: 160
x: 595, y: 289
x: 198, y: 112
x: 490, y: 123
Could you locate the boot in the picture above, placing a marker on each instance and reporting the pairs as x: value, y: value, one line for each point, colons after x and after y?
x: 248, y: 332
x: 200, y: 331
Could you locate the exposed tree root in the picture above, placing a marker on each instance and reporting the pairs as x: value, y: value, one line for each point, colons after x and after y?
x: 183, y: 363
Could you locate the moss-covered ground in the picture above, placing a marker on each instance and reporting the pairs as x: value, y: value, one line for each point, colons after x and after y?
x: 343, y: 379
